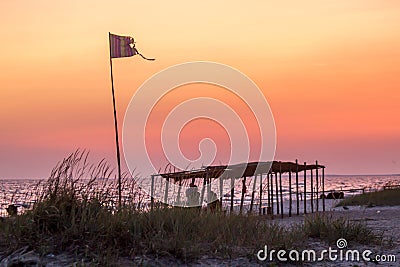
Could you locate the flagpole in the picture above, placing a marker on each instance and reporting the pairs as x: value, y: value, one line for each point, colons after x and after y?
x: 116, y: 128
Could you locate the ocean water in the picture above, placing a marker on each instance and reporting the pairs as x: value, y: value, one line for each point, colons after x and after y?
x: 24, y: 192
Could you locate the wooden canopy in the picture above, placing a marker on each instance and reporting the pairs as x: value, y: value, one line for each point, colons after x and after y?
x: 240, y: 170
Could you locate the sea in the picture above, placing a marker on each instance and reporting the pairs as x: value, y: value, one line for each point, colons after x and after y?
x: 24, y: 192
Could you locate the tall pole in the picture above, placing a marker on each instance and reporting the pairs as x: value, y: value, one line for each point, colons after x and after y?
x: 116, y: 128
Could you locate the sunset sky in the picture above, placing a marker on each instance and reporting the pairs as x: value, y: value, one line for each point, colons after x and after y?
x: 330, y: 71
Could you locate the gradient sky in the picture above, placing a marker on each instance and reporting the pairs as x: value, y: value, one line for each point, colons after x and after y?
x: 330, y: 71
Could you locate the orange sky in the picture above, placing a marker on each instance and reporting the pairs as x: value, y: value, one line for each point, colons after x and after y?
x: 329, y: 70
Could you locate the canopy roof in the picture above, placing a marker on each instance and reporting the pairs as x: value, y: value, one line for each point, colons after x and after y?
x: 241, y: 170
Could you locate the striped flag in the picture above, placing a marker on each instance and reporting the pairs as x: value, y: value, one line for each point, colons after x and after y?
x: 123, y: 46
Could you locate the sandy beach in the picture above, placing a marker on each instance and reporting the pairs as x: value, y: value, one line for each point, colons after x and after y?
x: 379, y: 219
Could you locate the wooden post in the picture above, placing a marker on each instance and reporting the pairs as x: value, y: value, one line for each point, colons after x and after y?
x: 305, y: 188
x: 277, y: 193
x: 269, y: 193
x: 272, y: 193
x: 178, y: 198
x: 316, y: 180
x: 312, y: 192
x: 253, y: 193
x: 203, y: 189
x: 297, y: 188
x: 232, y: 192
x: 221, y: 191
x: 208, y: 179
x: 166, y: 192
x: 261, y: 190
x: 290, y: 192
x: 152, y: 193
x: 115, y: 127
x: 243, y: 192
x: 280, y: 188
x: 323, y: 188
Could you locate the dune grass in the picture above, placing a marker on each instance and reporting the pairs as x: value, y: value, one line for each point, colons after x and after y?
x: 73, y: 215
x: 388, y: 197
x: 328, y: 228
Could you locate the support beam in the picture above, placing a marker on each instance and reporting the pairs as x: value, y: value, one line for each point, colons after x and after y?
x: 277, y: 193
x: 261, y: 191
x: 297, y: 189
x: 305, y: 188
x: 232, y: 192
x: 312, y: 191
x: 208, y: 179
x: 316, y: 181
x: 243, y: 192
x: 166, y: 192
x: 178, y: 197
x: 272, y: 193
x: 269, y: 193
x: 323, y: 188
x: 203, y: 189
x: 280, y: 188
x: 152, y: 193
x: 253, y: 193
x: 221, y: 192
x: 290, y: 192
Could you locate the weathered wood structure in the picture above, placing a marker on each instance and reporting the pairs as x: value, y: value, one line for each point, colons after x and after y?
x: 268, y: 175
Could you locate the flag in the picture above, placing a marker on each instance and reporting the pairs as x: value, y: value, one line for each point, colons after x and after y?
x: 123, y: 46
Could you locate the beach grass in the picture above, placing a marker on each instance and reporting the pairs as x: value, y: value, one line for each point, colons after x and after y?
x: 388, y: 197
x: 72, y: 216
x: 184, y: 234
x: 329, y: 228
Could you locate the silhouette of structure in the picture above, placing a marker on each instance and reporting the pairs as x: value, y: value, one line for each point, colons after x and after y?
x: 261, y: 176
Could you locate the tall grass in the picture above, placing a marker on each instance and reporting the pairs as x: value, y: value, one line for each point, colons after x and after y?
x: 388, y: 197
x: 328, y: 228
x: 76, y: 213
